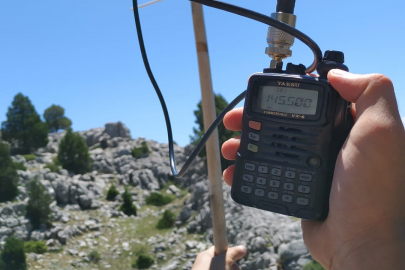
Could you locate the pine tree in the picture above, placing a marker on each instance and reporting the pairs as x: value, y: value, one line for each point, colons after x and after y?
x: 38, y: 209
x: 8, y: 175
x: 24, y: 128
x: 223, y: 133
x: 112, y: 193
x: 73, y: 153
x: 13, y: 255
x: 55, y: 118
x: 127, y: 206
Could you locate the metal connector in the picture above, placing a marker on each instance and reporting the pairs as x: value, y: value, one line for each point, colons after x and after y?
x: 279, y: 41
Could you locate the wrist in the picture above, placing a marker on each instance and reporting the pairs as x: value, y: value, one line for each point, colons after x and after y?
x: 383, y: 252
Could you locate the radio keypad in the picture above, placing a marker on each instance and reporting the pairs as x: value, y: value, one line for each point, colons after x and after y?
x: 254, y: 136
x: 248, y: 177
x: 263, y: 169
x: 287, y: 184
x: 276, y: 172
x: 246, y: 189
x: 250, y: 166
x: 287, y: 198
x: 274, y: 183
x: 261, y: 181
x: 253, y: 148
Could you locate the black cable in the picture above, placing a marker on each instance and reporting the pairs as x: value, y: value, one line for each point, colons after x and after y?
x: 214, y: 125
x: 269, y: 21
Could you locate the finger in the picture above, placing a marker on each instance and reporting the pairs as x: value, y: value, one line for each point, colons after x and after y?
x: 235, y: 253
x: 228, y: 174
x: 234, y: 267
x: 228, y: 258
x: 233, y: 119
x: 372, y: 92
x: 230, y: 147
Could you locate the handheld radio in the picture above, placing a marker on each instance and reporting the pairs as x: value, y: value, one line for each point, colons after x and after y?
x: 293, y: 125
x: 292, y: 130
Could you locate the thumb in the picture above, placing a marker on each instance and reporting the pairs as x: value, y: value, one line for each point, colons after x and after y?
x: 235, y: 253
x: 372, y: 93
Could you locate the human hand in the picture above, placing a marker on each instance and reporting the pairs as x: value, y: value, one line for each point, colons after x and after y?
x: 207, y: 260
x: 365, y: 228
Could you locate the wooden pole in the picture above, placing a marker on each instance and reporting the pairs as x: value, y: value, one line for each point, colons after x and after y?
x: 212, y: 146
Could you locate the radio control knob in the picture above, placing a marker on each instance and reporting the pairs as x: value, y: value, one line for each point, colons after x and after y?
x: 335, y: 56
x: 313, y: 162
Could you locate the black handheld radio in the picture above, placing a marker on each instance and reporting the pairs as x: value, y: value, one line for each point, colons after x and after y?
x: 292, y: 130
x: 293, y: 124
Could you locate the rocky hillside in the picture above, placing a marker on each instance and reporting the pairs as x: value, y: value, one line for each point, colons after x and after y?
x: 85, y: 223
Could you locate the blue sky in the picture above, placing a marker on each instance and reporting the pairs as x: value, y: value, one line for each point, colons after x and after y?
x: 84, y: 56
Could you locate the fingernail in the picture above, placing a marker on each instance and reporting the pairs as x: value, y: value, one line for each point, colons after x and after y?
x: 339, y: 72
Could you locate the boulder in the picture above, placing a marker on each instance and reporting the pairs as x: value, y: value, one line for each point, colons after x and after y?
x: 117, y: 130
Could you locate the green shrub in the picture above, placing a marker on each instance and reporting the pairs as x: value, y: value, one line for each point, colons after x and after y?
x: 143, y: 261
x: 8, y: 175
x: 313, y: 266
x: 37, y: 247
x: 94, y: 256
x: 127, y: 206
x: 138, y: 151
x: 73, y: 153
x: 158, y: 199
x: 38, y: 210
x: 112, y: 193
x: 29, y: 157
x: 53, y: 167
x: 167, y: 221
x: 19, y: 166
x: 13, y: 255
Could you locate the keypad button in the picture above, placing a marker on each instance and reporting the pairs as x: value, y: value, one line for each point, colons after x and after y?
x: 273, y: 195
x: 287, y: 198
x: 259, y: 192
x: 288, y: 186
x: 302, y: 201
x: 254, y: 136
x: 248, y: 177
x: 304, y: 189
x: 263, y: 169
x: 305, y: 177
x: 261, y: 181
x: 246, y: 189
x: 253, y: 148
x: 276, y: 172
x: 290, y: 174
x: 255, y: 125
x: 250, y: 166
x: 274, y: 183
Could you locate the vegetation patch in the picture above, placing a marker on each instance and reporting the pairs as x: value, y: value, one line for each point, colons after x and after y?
x: 37, y: 247
x: 29, y: 157
x: 127, y: 206
x: 158, y: 199
x: 19, y: 166
x: 144, y: 261
x: 167, y: 221
x: 313, y: 266
x: 137, y: 152
x: 38, y: 209
x: 112, y: 193
x: 94, y: 256
x: 13, y: 256
x: 53, y: 167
